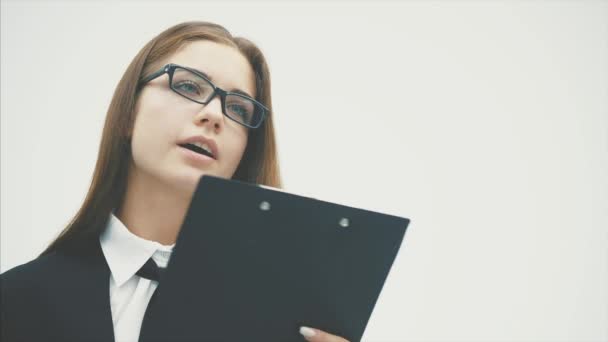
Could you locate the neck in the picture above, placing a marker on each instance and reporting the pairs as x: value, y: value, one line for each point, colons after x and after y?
x: 153, y: 210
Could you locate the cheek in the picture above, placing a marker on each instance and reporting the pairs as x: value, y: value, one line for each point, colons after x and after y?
x: 152, y: 134
x: 155, y: 114
x: 236, y: 146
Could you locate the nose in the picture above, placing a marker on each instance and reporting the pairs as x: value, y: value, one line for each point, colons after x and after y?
x: 211, y: 114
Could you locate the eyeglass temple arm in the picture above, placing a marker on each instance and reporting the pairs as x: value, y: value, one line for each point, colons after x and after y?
x: 154, y: 75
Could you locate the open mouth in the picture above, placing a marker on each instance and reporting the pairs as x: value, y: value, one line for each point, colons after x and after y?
x: 198, y: 150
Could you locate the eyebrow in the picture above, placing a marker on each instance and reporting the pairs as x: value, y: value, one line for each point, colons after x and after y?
x: 235, y: 90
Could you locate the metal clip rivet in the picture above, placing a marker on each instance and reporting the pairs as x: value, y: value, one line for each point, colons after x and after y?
x: 265, y: 206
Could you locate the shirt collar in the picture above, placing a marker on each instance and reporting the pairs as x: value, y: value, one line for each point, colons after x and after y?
x: 126, y: 252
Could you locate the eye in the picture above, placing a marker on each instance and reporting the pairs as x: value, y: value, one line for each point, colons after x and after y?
x: 188, y: 87
x: 238, y: 110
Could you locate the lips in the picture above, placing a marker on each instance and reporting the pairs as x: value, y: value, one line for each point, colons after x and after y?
x: 197, y: 149
x: 201, y: 145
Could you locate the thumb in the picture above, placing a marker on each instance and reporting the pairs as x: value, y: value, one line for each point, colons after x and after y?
x: 316, y: 335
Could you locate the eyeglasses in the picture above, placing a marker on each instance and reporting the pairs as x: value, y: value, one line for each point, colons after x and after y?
x: 194, y: 86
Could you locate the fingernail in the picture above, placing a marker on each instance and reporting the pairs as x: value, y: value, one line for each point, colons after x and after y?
x: 307, y: 332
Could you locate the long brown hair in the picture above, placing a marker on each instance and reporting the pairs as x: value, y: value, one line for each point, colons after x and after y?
x: 259, y: 163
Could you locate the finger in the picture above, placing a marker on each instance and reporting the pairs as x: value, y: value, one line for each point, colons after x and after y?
x: 316, y: 335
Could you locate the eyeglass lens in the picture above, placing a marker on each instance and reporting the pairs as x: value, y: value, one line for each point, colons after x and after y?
x: 199, y: 89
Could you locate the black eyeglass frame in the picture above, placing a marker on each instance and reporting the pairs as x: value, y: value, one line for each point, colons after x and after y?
x: 169, y: 69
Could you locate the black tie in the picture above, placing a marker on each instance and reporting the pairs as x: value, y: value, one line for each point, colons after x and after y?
x: 149, y: 270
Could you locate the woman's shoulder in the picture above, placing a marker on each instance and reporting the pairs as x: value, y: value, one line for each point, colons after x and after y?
x: 31, y: 293
x: 53, y: 264
x: 34, y: 271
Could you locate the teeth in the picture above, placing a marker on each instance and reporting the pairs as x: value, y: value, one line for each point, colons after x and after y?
x: 203, y: 146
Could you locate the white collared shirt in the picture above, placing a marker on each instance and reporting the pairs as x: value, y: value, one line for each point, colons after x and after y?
x: 125, y: 254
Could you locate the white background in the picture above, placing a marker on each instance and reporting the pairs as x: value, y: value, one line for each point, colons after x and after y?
x: 486, y: 123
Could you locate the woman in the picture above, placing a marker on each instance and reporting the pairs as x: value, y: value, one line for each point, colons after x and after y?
x: 195, y: 100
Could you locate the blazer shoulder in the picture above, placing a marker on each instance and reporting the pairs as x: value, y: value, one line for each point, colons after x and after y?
x: 53, y: 265
x: 41, y: 298
x: 23, y: 289
x: 34, y: 271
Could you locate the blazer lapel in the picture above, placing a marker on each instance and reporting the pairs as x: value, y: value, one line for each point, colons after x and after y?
x: 85, y: 296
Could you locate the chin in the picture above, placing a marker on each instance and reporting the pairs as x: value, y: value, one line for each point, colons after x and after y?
x: 185, y: 182
x: 190, y: 180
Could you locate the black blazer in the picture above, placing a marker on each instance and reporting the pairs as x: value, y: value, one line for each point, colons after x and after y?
x: 62, y: 296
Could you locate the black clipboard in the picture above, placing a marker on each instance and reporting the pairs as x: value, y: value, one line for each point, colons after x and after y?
x: 254, y: 264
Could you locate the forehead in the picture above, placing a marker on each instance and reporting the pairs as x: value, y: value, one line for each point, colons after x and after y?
x: 224, y: 64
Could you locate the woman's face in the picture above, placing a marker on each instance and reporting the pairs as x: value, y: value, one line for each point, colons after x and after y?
x: 164, y: 120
